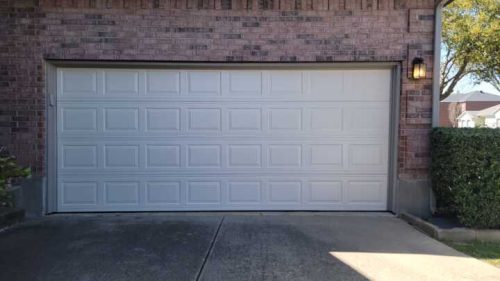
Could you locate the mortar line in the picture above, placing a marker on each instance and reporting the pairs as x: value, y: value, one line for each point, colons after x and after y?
x: 210, y: 249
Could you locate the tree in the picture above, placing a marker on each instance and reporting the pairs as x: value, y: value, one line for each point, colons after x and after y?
x: 454, y: 110
x: 471, y: 43
x: 480, y: 122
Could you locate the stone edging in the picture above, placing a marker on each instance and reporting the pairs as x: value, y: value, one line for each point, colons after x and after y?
x: 457, y: 234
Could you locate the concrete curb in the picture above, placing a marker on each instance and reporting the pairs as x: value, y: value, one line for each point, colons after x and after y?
x: 457, y: 234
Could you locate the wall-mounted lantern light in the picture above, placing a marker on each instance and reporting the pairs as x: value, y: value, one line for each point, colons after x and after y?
x: 419, y: 68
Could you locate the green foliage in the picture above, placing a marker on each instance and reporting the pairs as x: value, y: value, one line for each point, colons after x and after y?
x: 9, y: 171
x: 465, y: 174
x: 471, y: 39
x: 487, y: 251
x: 480, y: 122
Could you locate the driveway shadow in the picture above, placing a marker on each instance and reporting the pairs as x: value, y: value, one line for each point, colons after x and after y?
x: 108, y: 248
x: 227, y: 246
x: 273, y: 248
x: 334, y: 247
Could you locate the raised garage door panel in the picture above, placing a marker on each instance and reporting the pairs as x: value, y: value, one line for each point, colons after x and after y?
x: 139, y: 139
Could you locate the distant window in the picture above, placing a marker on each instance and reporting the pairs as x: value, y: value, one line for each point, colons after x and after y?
x: 469, y: 123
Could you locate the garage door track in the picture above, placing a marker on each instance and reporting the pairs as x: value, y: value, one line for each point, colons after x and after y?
x: 223, y: 246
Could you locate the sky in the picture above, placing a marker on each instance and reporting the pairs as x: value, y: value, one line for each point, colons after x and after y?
x: 466, y: 85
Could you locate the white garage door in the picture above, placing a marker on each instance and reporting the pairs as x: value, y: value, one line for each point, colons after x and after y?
x: 174, y: 139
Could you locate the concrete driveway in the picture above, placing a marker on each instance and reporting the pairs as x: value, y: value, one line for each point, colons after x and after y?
x: 225, y: 247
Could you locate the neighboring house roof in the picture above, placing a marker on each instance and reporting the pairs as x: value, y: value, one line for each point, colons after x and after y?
x: 487, y: 112
x: 490, y: 111
x: 472, y: 96
x: 473, y: 114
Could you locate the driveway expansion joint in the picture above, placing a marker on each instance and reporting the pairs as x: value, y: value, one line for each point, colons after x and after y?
x: 210, y: 249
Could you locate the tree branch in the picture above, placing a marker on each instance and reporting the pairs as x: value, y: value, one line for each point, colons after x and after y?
x: 461, y: 72
x: 448, y: 3
x: 495, y: 83
x: 445, y: 70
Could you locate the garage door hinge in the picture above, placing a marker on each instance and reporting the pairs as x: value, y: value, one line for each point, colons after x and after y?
x: 52, y: 100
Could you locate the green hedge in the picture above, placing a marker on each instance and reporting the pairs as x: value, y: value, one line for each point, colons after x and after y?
x: 466, y: 174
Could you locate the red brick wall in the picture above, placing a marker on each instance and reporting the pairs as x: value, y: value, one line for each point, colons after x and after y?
x: 448, y: 112
x: 210, y: 30
x: 479, y: 105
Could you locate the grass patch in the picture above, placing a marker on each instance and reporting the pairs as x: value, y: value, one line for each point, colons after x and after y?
x: 486, y: 251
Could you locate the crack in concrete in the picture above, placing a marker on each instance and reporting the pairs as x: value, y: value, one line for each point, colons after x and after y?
x: 210, y: 250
